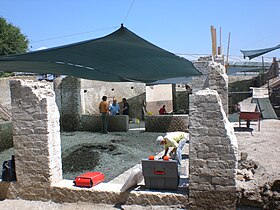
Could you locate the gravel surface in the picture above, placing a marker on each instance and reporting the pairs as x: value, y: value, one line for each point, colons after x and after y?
x: 111, y: 154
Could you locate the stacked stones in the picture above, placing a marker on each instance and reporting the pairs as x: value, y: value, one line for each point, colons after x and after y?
x: 37, y: 144
x: 213, y: 154
x: 93, y: 123
x: 200, y: 82
x: 166, y: 123
x: 218, y: 80
x: 214, y: 77
x: 71, y: 103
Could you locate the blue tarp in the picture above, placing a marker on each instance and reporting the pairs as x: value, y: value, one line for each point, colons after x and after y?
x: 255, y: 53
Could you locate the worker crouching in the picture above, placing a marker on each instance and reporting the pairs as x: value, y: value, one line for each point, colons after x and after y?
x: 177, y: 140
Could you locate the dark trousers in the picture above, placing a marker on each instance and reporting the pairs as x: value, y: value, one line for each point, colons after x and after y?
x: 104, y: 116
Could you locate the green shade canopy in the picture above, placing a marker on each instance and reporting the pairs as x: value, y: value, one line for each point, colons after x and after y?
x: 255, y: 53
x: 121, y: 56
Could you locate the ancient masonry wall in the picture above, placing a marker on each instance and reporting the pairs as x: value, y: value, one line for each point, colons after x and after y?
x: 5, y: 97
x: 218, y: 80
x: 200, y: 82
x: 213, y: 154
x: 71, y: 108
x: 92, y: 92
x: 168, y: 123
x: 214, y: 77
x: 6, y: 135
x: 93, y: 123
x: 37, y: 145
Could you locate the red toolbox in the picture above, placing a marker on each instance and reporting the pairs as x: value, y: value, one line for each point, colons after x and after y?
x: 89, y: 179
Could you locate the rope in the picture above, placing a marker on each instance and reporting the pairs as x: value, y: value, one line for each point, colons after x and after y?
x: 59, y: 37
x: 128, y: 11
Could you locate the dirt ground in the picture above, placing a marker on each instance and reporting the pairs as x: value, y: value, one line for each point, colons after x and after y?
x: 263, y: 147
x: 259, y: 149
x: 261, y: 188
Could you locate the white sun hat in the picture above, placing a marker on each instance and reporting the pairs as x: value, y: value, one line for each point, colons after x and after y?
x: 159, y: 139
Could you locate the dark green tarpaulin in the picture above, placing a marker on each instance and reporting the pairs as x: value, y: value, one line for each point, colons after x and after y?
x: 119, y: 57
x: 255, y: 53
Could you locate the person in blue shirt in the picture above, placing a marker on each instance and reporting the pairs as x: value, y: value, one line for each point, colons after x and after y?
x: 114, y: 108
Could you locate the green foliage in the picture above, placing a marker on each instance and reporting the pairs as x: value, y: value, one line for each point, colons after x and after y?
x: 6, y: 74
x: 12, y: 41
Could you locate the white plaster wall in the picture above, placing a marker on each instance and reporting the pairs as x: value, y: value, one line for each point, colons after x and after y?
x: 158, y: 95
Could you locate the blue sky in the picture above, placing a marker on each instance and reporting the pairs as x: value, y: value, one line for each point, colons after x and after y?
x: 179, y: 26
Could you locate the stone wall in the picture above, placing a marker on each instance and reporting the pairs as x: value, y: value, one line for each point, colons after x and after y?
x: 200, y: 82
x: 5, y: 99
x: 92, y: 92
x: 6, y: 135
x: 93, y: 123
x: 5, y: 95
x: 213, y: 154
x: 214, y: 77
x: 218, y: 80
x: 166, y: 123
x: 36, y: 140
x: 182, y: 101
x: 71, y: 108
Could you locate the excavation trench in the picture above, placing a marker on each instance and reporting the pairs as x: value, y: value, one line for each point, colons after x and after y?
x: 111, y: 158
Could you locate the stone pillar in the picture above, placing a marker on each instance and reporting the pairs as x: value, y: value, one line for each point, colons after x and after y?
x: 218, y: 80
x: 213, y: 154
x: 71, y: 109
x: 200, y: 82
x: 37, y: 144
x: 214, y: 77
